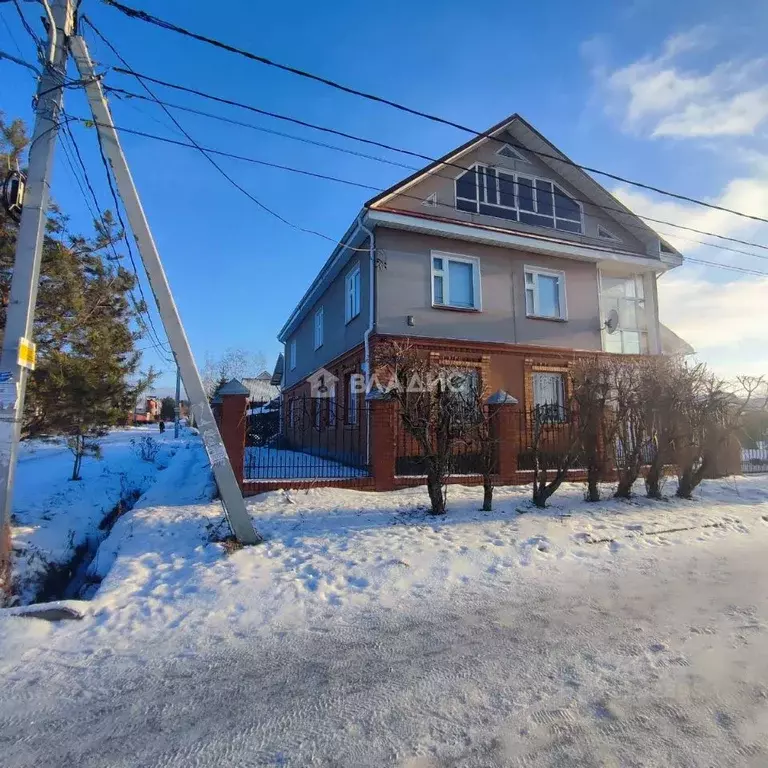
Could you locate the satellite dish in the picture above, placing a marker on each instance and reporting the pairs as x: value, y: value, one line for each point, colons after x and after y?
x: 612, y: 321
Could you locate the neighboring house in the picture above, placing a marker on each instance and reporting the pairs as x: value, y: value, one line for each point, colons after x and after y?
x: 261, y: 388
x: 503, y: 257
x: 147, y: 410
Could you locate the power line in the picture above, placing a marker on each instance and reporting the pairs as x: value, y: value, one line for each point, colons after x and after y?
x: 143, y: 16
x: 38, y: 43
x: 622, y: 211
x: 348, y: 182
x: 11, y: 35
x: 82, y: 183
x: 153, y: 333
x: 207, y: 156
x: 119, y: 91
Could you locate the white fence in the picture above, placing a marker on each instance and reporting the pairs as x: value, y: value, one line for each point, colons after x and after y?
x: 754, y: 460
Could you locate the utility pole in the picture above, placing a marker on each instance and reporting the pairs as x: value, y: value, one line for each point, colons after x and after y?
x: 232, y: 498
x: 29, y: 250
x: 178, y: 401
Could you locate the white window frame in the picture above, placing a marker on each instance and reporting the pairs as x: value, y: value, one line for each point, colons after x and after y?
x: 332, y: 405
x: 543, y: 407
x: 536, y: 272
x: 319, y: 330
x: 351, y: 403
x: 430, y: 201
x: 352, y: 294
x: 482, y: 197
x: 292, y: 354
x: 473, y: 261
x: 517, y: 155
x: 643, y: 333
x: 605, y: 234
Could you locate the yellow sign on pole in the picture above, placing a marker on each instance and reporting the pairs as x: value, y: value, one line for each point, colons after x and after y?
x: 27, y: 353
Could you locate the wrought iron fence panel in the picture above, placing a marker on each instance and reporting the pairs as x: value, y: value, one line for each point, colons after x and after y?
x: 309, y: 438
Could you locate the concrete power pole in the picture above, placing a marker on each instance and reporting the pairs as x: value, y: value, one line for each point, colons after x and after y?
x: 29, y: 250
x: 178, y: 402
x: 234, y: 506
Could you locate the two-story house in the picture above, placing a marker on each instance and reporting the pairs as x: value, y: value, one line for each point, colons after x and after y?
x: 503, y: 255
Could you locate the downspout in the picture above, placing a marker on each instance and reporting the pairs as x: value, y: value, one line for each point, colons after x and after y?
x: 371, y: 324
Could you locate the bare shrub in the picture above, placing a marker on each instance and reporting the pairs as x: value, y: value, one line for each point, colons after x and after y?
x: 592, y: 389
x: 710, y: 414
x: 430, y: 410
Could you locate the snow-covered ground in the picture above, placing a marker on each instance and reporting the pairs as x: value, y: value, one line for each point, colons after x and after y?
x: 366, y: 633
x: 53, y: 515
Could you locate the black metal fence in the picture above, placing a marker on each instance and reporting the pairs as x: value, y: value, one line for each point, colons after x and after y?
x: 471, y: 444
x: 307, y: 438
x: 548, y: 432
x: 754, y: 460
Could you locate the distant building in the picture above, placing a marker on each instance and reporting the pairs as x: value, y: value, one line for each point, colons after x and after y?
x: 261, y: 388
x: 147, y: 410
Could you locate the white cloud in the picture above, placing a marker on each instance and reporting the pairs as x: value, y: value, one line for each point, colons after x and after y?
x: 657, y: 96
x: 727, y: 323
x: 748, y: 195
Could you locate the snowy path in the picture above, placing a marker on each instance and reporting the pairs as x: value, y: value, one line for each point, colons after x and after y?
x: 643, y: 657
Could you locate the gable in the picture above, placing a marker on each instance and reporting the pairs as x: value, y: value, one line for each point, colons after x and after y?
x: 499, y: 182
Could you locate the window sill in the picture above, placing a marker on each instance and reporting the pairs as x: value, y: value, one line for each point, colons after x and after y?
x: 546, y: 317
x: 349, y: 320
x: 451, y: 308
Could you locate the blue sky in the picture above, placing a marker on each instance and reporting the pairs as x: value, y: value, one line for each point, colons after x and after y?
x: 642, y: 89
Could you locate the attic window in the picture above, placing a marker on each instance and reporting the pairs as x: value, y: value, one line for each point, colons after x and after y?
x: 606, y: 234
x: 664, y: 248
x: 431, y: 201
x: 527, y: 199
x: 511, y: 153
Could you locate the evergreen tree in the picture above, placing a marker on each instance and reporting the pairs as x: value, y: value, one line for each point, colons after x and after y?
x: 87, y: 376
x: 168, y: 409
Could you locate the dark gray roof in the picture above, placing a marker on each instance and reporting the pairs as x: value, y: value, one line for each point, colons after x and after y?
x: 261, y: 389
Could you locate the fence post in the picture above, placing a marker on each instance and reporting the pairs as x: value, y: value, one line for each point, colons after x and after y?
x: 505, y: 420
x: 382, y: 440
x: 234, y: 402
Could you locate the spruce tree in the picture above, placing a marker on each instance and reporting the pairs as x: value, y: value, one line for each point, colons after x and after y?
x: 87, y: 375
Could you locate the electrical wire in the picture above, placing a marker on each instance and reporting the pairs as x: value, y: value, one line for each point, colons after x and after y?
x: 348, y: 182
x: 128, y: 94
x: 149, y: 18
x: 207, y: 156
x: 150, y: 330
x: 39, y: 47
x: 458, y: 166
x: 11, y: 35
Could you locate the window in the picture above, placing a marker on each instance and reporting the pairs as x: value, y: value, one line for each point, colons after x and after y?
x: 545, y: 293
x: 455, y: 281
x: 431, y: 201
x: 332, y: 405
x: 625, y: 295
x: 511, y: 153
x: 292, y: 354
x: 319, y: 328
x: 549, y: 396
x: 527, y: 199
x: 606, y: 234
x: 464, y: 391
x: 352, y: 294
x: 664, y: 248
x: 351, y: 399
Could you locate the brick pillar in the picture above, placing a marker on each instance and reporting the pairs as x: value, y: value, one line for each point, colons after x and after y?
x: 505, y: 423
x: 382, y: 443
x: 232, y: 423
